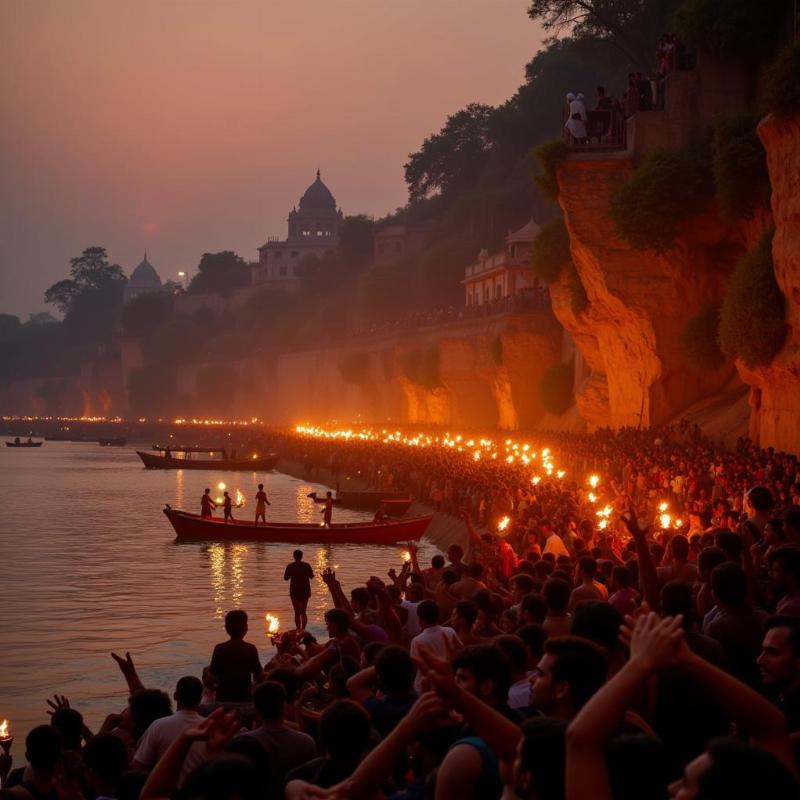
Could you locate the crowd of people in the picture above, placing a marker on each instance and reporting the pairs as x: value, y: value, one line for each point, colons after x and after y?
x: 585, y: 643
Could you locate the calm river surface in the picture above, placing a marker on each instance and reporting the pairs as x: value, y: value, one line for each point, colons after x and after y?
x: 88, y: 564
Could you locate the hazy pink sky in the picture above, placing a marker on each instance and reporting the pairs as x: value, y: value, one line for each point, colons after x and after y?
x: 185, y: 126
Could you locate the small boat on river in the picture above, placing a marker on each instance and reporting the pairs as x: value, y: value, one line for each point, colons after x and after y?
x: 19, y: 443
x: 193, y: 527
x: 167, y: 460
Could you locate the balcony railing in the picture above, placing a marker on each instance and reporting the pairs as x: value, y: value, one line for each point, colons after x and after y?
x: 605, y: 131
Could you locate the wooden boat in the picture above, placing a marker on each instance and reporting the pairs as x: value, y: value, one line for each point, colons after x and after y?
x: 192, y: 527
x: 18, y: 443
x: 395, y: 504
x: 253, y: 464
x: 117, y: 441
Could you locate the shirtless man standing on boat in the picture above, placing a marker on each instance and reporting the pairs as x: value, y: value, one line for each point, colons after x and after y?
x: 327, y: 511
x: 227, y: 507
x: 206, y: 505
x: 261, y: 504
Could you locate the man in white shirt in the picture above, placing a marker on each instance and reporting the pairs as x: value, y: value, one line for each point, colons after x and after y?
x: 440, y: 642
x: 163, y: 732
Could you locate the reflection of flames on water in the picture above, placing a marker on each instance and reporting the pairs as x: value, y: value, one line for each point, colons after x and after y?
x: 273, y: 624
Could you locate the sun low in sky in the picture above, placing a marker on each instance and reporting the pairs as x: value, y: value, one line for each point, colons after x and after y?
x: 185, y: 126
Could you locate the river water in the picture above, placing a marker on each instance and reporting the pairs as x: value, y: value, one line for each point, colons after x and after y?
x: 89, y: 565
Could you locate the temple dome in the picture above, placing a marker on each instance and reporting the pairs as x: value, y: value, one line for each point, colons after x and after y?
x: 145, y: 275
x: 317, y: 197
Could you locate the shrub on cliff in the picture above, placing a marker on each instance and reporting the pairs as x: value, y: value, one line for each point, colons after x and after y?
x: 752, y: 325
x: 667, y: 188
x: 355, y: 367
x: 739, y: 163
x: 422, y: 367
x: 549, y: 156
x: 781, y: 85
x: 550, y: 251
x: 555, y: 388
x: 700, y: 338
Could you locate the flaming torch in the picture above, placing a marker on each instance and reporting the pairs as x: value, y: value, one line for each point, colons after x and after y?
x: 594, y: 480
x: 503, y: 524
x: 239, y: 499
x: 273, y: 623
x: 6, y: 739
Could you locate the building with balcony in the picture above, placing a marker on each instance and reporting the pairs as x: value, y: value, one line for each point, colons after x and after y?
x: 313, y: 229
x: 494, y: 278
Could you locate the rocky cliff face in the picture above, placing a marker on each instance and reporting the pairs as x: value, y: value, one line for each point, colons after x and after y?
x: 489, y: 372
x: 638, y: 301
x: 775, y: 389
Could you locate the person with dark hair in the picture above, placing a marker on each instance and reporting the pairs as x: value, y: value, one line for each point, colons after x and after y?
x: 759, y: 502
x: 344, y: 735
x: 145, y: 707
x: 532, y: 609
x: 227, y: 777
x: 570, y: 672
x: 285, y: 747
x: 470, y: 583
x: 600, y: 623
x: 299, y: 574
x: 207, y: 505
x: 434, y: 638
x: 484, y: 671
x: 69, y: 723
x: 393, y: 675
x: 556, y: 593
x: 513, y: 648
x: 784, y: 575
x: 779, y: 664
x: 261, y: 504
x: 39, y: 781
x: 163, y: 732
x: 623, y: 595
x: 462, y: 621
x: 540, y: 765
x: 738, y: 627
x: 533, y: 638
x: 455, y: 555
x: 235, y: 663
x: 341, y: 640
x: 586, y: 587
x: 106, y: 759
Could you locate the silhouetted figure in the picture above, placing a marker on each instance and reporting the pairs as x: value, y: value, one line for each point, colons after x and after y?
x: 299, y: 575
x: 207, y: 505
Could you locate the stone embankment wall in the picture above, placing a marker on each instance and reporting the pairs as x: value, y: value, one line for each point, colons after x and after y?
x: 489, y: 372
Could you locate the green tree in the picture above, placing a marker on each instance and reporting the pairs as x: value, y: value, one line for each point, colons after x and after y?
x: 451, y: 160
x: 90, y: 273
x: 632, y: 26
x: 10, y: 327
x: 752, y: 322
x: 550, y: 251
x: 146, y: 312
x: 220, y: 273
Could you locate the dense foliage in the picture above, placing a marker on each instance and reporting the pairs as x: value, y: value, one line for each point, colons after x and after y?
x: 739, y: 164
x: 556, y: 388
x: 550, y: 156
x: 752, y: 324
x: 355, y: 367
x: 700, y: 338
x: 737, y: 29
x: 421, y: 366
x: 146, y: 312
x: 667, y: 188
x: 550, y: 251
x: 221, y: 273
x: 781, y: 87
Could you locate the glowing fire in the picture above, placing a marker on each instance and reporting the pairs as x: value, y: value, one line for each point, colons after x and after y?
x: 678, y: 524
x: 603, y: 524
x: 594, y: 480
x: 239, y: 498
x: 536, y: 480
x: 503, y: 524
x: 665, y: 520
x: 592, y: 497
x: 221, y: 486
x: 406, y: 556
x: 560, y: 474
x: 663, y: 506
x: 273, y: 623
x: 4, y: 734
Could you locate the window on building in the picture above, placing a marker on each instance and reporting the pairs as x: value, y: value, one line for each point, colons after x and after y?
x: 283, y: 272
x: 320, y: 233
x: 306, y: 233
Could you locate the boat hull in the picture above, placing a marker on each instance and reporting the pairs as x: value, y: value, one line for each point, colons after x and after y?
x: 396, y: 503
x: 192, y: 527
x: 264, y: 464
x: 23, y: 444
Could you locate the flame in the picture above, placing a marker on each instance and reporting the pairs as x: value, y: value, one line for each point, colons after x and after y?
x: 594, y: 480
x: 665, y: 520
x: 406, y: 555
x: 592, y: 497
x: 678, y: 524
x: 221, y: 486
x: 603, y: 524
x: 560, y: 474
x: 476, y: 456
x: 273, y: 623
x: 218, y: 501
x: 663, y: 506
x: 4, y: 734
x: 255, y: 456
x: 536, y: 480
x: 605, y: 512
x: 239, y: 498
x: 503, y: 524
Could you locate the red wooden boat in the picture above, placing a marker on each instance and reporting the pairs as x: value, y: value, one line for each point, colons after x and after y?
x: 396, y: 504
x: 253, y: 464
x: 194, y: 527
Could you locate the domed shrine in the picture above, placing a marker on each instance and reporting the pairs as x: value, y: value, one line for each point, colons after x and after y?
x: 313, y: 229
x: 143, y: 279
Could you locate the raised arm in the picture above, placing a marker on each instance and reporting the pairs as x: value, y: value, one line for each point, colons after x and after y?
x: 128, y: 671
x: 648, y: 574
